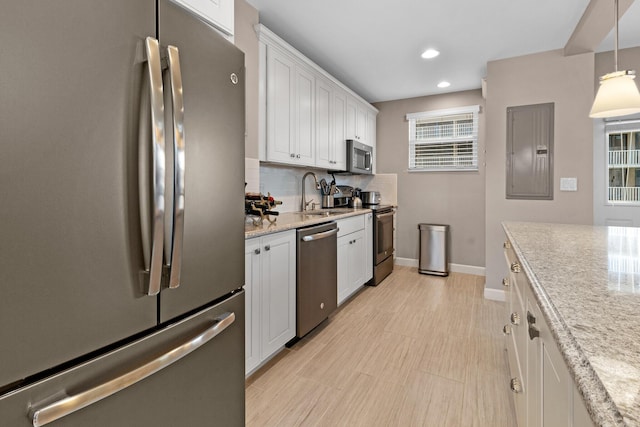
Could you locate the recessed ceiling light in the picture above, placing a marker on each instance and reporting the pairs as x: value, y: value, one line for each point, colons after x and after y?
x: 430, y: 53
x: 444, y: 84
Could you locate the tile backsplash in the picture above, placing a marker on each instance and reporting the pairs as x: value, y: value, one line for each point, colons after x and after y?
x: 285, y: 183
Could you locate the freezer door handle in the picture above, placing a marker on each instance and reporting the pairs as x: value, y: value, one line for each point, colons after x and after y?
x: 154, y: 260
x: 175, y: 76
x: 68, y: 405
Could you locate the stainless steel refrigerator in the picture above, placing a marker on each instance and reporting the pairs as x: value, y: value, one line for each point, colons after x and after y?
x: 121, y: 216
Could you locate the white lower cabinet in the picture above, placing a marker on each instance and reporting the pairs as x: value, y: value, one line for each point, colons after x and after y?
x: 352, y: 256
x: 544, y: 392
x: 270, y: 286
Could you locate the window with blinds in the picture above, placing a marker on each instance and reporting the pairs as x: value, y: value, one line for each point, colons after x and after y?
x: 444, y: 140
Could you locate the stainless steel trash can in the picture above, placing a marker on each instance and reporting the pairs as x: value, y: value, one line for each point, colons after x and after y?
x: 434, y: 249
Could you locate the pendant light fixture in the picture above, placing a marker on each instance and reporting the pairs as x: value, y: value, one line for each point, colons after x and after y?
x: 618, y: 94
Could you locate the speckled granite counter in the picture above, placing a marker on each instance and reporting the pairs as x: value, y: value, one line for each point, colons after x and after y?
x: 586, y: 281
x: 291, y: 220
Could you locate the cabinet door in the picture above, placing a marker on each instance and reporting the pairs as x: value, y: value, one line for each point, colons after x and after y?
x: 356, y: 260
x: 252, y: 258
x: 323, y: 122
x: 304, y: 124
x: 343, y: 268
x: 361, y: 123
x: 533, y: 383
x: 368, y: 247
x: 371, y: 135
x: 278, y: 291
x: 219, y: 13
x: 351, y: 118
x: 281, y: 81
x: 556, y: 391
x: 339, y: 130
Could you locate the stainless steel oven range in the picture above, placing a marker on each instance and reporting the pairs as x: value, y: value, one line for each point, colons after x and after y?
x: 382, y: 242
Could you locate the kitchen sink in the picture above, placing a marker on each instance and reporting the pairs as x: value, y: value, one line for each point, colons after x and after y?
x: 326, y: 212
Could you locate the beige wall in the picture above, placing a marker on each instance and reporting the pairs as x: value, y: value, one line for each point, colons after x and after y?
x: 246, y: 16
x: 454, y: 198
x: 533, y: 79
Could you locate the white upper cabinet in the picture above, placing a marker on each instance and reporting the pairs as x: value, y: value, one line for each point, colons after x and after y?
x: 306, y: 115
x: 360, y: 119
x: 290, y: 112
x: 218, y: 13
x: 305, y: 111
x: 281, y: 114
x: 324, y: 135
x: 339, y: 133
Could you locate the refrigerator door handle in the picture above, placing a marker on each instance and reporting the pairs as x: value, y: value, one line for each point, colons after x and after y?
x: 68, y: 405
x: 175, y: 76
x: 153, y: 261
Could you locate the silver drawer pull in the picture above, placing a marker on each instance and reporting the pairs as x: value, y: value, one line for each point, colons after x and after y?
x: 505, y: 281
x: 515, y: 385
x: 506, y: 329
x: 515, y: 267
x: 515, y: 318
x: 506, y: 245
x: 68, y: 405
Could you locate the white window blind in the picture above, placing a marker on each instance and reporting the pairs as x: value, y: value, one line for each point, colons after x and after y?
x: 444, y: 140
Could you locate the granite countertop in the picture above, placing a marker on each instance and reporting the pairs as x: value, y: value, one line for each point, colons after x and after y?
x: 291, y: 220
x: 586, y: 280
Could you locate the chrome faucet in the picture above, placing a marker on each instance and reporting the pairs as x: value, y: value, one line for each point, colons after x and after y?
x: 304, y: 203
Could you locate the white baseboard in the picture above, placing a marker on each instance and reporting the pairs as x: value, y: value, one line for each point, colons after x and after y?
x: 494, y: 294
x: 406, y: 262
x: 454, y: 268
x: 467, y: 269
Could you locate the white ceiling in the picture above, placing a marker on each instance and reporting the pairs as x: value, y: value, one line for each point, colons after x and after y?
x: 374, y: 46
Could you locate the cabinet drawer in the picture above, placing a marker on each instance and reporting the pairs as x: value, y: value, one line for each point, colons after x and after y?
x: 349, y: 225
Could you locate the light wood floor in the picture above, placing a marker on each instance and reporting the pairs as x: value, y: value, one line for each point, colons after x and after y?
x: 416, y: 350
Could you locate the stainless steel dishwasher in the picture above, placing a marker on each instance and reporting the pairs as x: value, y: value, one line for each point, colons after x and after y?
x: 317, y: 276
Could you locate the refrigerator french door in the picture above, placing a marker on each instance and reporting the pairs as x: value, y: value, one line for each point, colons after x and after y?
x: 104, y: 259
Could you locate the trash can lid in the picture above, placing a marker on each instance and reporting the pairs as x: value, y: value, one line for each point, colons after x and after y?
x: 439, y: 227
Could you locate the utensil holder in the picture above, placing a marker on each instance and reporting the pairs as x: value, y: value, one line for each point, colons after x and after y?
x: 327, y: 201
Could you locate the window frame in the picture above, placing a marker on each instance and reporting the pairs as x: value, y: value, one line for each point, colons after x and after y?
x: 618, y: 127
x: 443, y: 114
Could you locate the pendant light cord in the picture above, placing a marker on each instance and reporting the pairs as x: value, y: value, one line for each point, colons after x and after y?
x: 615, y: 51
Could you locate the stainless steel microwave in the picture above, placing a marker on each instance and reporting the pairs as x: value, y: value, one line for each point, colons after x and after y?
x: 359, y: 157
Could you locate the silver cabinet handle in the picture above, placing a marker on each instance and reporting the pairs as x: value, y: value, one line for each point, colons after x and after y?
x: 505, y: 281
x: 267, y: 248
x: 321, y: 235
x: 297, y: 156
x: 292, y: 155
x: 515, y: 385
x: 515, y: 318
x: 70, y: 404
x: 506, y: 244
x: 506, y: 330
x: 515, y: 267
x: 257, y: 251
x: 154, y: 264
x: 175, y: 76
